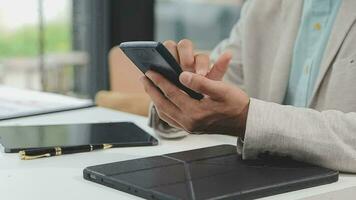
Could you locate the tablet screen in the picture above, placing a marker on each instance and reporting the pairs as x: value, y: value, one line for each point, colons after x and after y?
x: 122, y: 134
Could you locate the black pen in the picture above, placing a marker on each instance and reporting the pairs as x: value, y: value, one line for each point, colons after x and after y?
x: 57, y: 151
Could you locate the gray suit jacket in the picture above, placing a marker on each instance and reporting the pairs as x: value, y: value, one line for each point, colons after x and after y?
x: 262, y: 43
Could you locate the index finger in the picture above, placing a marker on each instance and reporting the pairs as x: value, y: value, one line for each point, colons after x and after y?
x: 219, y: 69
x: 172, y: 48
x: 172, y: 92
x: 186, y: 55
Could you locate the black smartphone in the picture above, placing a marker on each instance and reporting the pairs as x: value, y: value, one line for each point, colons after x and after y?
x: 147, y: 55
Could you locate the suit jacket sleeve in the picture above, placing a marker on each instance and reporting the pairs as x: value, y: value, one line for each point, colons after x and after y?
x: 326, y: 138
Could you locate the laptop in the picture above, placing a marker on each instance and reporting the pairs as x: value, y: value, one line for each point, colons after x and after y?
x: 209, y: 173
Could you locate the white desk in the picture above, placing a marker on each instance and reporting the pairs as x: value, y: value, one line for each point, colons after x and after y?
x: 61, y: 177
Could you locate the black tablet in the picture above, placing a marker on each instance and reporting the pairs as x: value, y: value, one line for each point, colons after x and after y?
x: 209, y: 173
x: 147, y: 55
x: 122, y: 134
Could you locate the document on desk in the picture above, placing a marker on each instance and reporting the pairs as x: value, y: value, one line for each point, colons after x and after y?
x: 16, y: 103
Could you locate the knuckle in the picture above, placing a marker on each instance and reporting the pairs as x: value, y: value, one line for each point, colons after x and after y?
x: 227, y: 92
x: 185, y: 49
x: 157, y: 80
x: 196, y: 83
x: 202, y: 57
x: 170, y: 93
x: 185, y: 43
x: 159, y: 104
x: 187, y: 63
x: 202, y: 62
x: 146, y: 89
x: 170, y: 44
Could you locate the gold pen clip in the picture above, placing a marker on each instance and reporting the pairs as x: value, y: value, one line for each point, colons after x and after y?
x: 23, y: 156
x: 107, y: 146
x: 58, y: 151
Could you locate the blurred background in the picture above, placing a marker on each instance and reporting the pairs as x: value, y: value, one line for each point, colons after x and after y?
x: 63, y: 46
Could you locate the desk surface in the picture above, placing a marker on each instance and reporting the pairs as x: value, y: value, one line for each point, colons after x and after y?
x: 61, y: 177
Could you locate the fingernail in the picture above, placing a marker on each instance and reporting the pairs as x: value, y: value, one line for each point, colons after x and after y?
x: 149, y: 73
x: 202, y: 72
x: 229, y: 52
x: 185, y: 78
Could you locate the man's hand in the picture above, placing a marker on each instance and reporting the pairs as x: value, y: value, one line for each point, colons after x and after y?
x: 198, y: 63
x: 223, y: 110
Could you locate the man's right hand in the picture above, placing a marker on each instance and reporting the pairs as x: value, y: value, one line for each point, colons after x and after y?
x: 198, y: 63
x: 224, y: 108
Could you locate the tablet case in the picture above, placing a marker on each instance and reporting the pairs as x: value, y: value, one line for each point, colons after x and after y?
x: 209, y: 173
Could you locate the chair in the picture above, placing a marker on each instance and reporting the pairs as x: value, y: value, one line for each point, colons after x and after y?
x: 127, y: 93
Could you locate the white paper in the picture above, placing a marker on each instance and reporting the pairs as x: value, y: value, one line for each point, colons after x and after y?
x: 16, y: 102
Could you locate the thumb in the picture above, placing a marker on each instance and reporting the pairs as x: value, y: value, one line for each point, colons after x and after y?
x: 214, y: 89
x: 219, y: 69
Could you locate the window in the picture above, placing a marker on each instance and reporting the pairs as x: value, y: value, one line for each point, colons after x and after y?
x: 36, y: 45
x: 62, y: 46
x: 205, y: 22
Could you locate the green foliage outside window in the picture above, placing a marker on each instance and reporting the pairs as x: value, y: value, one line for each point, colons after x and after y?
x: 24, y: 41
